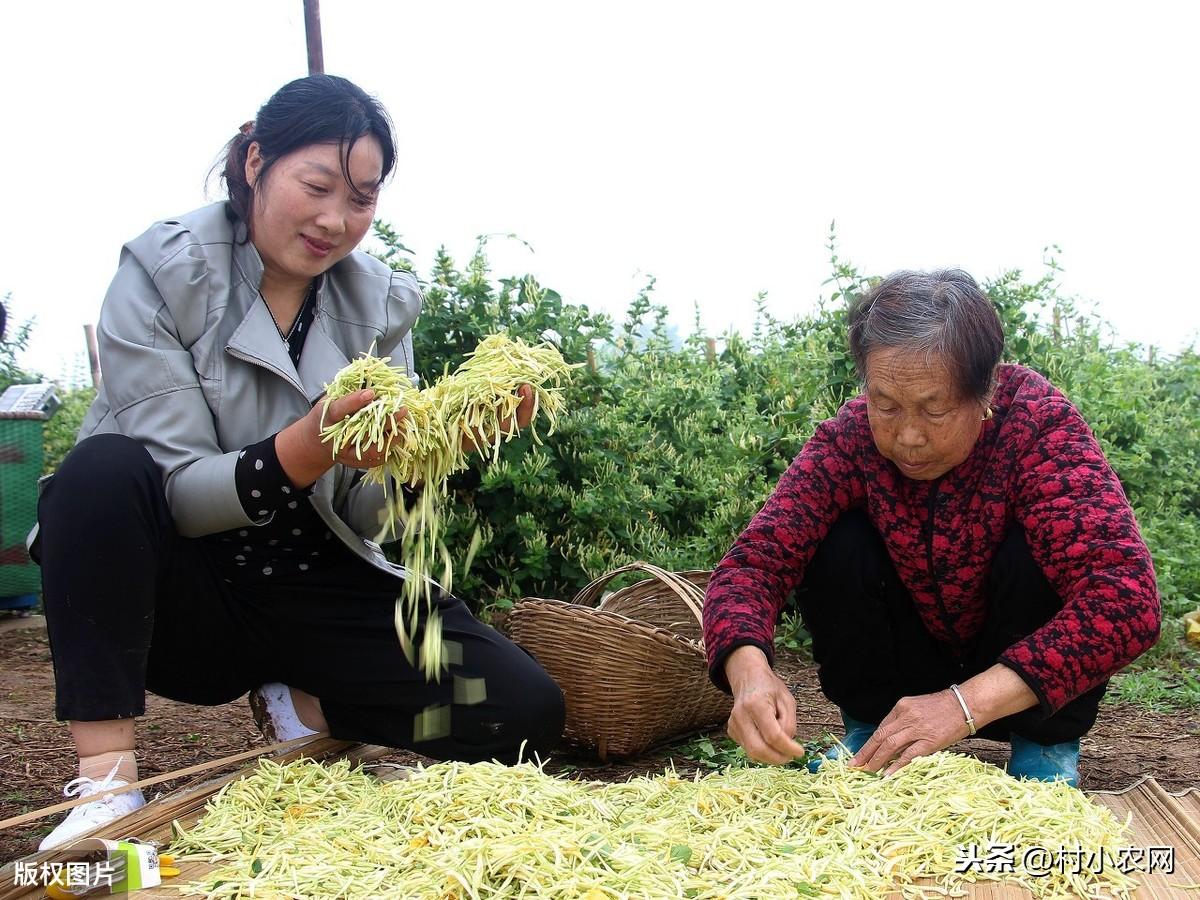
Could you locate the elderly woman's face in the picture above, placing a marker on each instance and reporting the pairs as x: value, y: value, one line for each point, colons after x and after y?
x: 919, y: 420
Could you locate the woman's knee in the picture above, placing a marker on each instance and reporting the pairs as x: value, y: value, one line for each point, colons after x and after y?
x: 534, y: 714
x: 1016, y: 577
x: 508, y: 719
x: 853, y: 548
x: 101, y: 473
x: 101, y: 458
x: 850, y: 567
x: 1014, y: 556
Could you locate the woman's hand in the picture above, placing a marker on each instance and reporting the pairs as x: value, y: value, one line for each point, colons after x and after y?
x: 305, y: 457
x: 763, y: 720
x: 918, y: 726
x: 524, y: 417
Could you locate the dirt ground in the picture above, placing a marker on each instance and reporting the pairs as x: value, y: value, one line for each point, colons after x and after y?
x: 36, y: 757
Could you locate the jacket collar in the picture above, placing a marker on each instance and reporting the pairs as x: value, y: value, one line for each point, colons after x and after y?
x: 257, y: 340
x: 246, y: 260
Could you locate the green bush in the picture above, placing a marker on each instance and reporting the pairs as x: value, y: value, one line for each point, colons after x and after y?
x: 16, y: 341
x: 59, y: 435
x: 669, y: 448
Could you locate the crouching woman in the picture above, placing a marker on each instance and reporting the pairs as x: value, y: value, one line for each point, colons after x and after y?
x: 962, y: 553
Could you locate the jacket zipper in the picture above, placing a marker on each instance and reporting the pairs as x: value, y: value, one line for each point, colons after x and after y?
x: 937, y: 588
x: 263, y: 364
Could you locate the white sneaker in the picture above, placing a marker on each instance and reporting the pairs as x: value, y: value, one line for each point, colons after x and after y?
x: 275, y: 714
x: 90, y: 816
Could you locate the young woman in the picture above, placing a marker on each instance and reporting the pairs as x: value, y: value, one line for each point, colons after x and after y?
x: 200, y: 541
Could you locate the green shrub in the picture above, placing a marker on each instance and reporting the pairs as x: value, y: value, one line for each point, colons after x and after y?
x: 669, y: 448
x: 16, y: 341
x: 59, y: 435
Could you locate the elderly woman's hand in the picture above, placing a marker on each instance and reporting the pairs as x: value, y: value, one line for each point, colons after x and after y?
x: 763, y: 720
x: 918, y: 726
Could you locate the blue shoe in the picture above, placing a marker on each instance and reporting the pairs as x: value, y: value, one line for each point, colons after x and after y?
x: 1044, y: 763
x: 857, y: 735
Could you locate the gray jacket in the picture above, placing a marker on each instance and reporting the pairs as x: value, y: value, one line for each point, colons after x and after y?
x: 195, y: 369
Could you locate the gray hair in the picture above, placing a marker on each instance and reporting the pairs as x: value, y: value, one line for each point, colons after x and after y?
x: 942, y: 314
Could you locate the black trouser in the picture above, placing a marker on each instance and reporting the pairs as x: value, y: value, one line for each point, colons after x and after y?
x: 131, y: 606
x: 871, y: 647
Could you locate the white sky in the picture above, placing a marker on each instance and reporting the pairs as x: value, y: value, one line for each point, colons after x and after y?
x: 707, y: 144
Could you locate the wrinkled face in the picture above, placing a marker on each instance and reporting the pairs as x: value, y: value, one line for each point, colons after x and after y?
x: 918, y: 418
x: 304, y: 217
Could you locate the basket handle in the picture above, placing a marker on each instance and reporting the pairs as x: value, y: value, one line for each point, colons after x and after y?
x: 686, y: 592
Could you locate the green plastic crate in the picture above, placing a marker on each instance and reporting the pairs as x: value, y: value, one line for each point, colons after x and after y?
x: 24, y: 410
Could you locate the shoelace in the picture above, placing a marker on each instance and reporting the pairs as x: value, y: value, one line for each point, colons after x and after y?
x: 84, y: 786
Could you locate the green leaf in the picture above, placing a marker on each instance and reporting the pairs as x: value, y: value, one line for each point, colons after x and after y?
x: 256, y: 867
x: 681, y: 853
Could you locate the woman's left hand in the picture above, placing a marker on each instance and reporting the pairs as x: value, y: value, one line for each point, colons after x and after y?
x: 916, y: 726
x: 524, y: 417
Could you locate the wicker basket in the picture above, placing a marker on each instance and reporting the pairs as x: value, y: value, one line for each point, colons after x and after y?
x: 633, y: 670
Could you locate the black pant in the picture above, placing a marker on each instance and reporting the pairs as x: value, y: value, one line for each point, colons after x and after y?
x: 871, y: 647
x: 131, y: 606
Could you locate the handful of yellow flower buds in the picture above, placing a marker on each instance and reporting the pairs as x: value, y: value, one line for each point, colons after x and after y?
x: 476, y: 406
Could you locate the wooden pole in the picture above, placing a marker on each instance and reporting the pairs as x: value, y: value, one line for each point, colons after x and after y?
x: 89, y: 333
x: 312, y: 33
x: 591, y: 361
x: 710, y: 349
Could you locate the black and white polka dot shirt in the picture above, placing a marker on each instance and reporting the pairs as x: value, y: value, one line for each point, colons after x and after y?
x: 288, y: 538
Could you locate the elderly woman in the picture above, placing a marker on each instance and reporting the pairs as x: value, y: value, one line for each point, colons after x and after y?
x: 966, y: 559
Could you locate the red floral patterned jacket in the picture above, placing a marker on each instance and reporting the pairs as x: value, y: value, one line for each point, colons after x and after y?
x: 1036, y: 463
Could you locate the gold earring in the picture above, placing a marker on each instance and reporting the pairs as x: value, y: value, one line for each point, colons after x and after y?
x: 987, y: 415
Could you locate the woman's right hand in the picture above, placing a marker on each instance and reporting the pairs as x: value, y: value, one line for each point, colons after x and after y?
x: 763, y: 720
x: 305, y: 457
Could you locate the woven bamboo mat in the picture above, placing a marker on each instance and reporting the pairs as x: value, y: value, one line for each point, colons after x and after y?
x: 1158, y: 820
x: 186, y: 804
x: 1170, y: 823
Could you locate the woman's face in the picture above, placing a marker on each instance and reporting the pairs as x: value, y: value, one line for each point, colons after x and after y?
x: 918, y: 418
x: 304, y: 218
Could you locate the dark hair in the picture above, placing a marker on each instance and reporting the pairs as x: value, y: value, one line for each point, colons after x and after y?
x: 319, y: 109
x: 942, y: 314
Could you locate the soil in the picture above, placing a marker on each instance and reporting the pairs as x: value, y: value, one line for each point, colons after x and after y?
x: 37, y: 757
